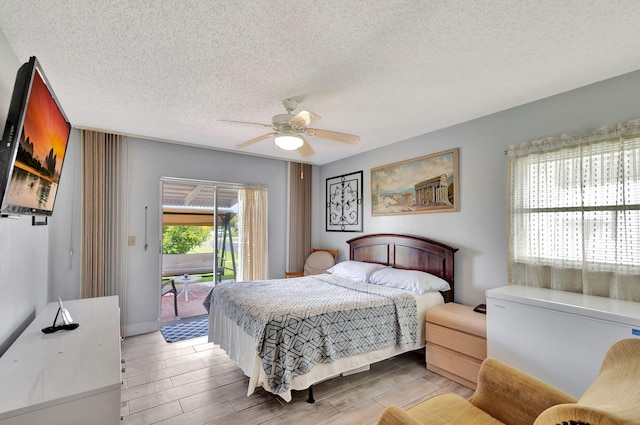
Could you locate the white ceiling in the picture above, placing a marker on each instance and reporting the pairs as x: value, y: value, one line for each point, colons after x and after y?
x: 384, y: 70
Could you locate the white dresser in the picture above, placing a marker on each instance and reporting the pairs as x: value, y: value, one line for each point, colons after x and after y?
x: 67, y: 377
x: 559, y: 337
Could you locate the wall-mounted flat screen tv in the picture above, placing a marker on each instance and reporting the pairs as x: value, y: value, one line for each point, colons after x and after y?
x: 34, y: 143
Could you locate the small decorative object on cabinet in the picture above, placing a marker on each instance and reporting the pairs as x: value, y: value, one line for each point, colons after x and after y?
x: 456, y: 342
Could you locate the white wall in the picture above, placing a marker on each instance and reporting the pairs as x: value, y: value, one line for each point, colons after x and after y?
x: 23, y: 248
x: 479, y: 228
x: 148, y: 162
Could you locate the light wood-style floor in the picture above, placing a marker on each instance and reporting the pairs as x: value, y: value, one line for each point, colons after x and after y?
x: 194, y: 382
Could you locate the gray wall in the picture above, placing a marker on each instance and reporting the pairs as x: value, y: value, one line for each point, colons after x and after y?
x: 479, y: 228
x: 23, y: 248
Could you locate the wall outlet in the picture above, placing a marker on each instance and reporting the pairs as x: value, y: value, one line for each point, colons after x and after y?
x: 132, y: 240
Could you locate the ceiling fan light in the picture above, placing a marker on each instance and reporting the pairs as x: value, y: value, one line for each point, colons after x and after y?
x: 288, y: 142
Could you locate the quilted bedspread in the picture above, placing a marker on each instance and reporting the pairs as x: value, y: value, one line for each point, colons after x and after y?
x: 298, y: 323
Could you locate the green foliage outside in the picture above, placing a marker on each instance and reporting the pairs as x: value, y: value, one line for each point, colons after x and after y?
x: 190, y: 240
x: 181, y: 239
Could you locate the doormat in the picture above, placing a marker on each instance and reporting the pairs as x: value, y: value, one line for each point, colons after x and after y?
x: 186, y: 330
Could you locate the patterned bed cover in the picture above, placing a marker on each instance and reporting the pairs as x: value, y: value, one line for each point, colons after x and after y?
x: 298, y: 323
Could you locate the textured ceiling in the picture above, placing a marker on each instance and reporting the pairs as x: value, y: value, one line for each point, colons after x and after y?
x: 383, y: 70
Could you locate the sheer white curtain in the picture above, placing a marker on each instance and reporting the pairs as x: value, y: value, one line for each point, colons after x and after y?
x: 574, y: 212
x: 104, y: 221
x: 253, y: 252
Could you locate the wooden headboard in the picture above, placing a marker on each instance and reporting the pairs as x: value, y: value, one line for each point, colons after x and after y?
x: 406, y: 252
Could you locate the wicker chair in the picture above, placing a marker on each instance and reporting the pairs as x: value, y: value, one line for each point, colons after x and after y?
x: 317, y: 262
x: 506, y: 395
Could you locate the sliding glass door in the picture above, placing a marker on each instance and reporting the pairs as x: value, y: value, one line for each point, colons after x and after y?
x: 199, y: 243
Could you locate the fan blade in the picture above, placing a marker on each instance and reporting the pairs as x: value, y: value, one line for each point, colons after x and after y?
x: 245, y: 122
x: 332, y: 135
x: 256, y: 140
x: 305, y: 150
x: 304, y: 118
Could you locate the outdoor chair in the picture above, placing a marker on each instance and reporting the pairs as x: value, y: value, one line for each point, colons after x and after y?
x: 169, y: 287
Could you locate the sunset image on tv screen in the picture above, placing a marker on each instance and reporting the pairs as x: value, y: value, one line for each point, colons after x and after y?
x: 43, y: 143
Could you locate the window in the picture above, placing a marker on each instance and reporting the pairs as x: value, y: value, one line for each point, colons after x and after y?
x: 574, y: 212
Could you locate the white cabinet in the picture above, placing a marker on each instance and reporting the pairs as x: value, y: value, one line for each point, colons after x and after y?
x: 67, y: 377
x: 559, y: 337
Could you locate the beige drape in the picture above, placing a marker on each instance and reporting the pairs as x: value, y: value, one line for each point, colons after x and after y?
x: 253, y: 244
x: 299, y: 215
x: 104, y: 207
x: 574, y: 212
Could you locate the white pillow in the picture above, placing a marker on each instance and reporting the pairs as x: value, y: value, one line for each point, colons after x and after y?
x: 410, y: 280
x: 357, y: 270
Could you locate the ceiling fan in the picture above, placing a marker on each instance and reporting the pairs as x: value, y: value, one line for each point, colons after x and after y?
x: 289, y: 130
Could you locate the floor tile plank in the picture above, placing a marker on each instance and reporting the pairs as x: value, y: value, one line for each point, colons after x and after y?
x: 152, y: 416
x: 195, y: 382
x: 170, y: 372
x: 202, y: 415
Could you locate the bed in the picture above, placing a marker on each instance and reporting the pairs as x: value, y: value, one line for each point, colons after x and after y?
x: 282, y: 345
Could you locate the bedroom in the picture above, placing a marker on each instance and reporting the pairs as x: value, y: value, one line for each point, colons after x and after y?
x: 38, y: 257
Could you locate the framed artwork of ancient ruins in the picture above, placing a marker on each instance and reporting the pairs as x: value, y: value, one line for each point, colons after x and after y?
x: 420, y: 185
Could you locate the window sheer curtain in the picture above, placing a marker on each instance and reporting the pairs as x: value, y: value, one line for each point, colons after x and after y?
x: 104, y: 209
x: 574, y: 212
x: 253, y: 244
x: 299, y: 215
